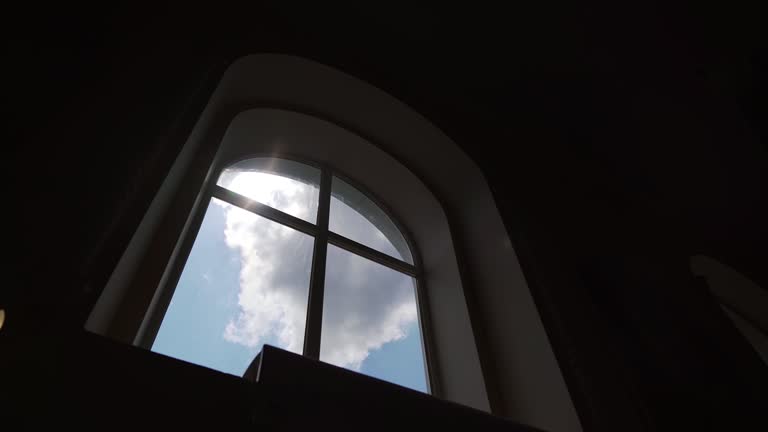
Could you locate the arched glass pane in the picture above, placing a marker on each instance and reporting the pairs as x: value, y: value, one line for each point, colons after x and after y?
x: 288, y: 186
x: 370, y: 320
x: 355, y: 216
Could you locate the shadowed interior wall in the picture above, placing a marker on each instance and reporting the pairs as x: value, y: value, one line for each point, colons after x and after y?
x: 617, y: 138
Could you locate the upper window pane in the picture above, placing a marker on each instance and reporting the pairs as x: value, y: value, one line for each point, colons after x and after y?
x: 288, y: 186
x: 356, y: 217
x: 245, y: 283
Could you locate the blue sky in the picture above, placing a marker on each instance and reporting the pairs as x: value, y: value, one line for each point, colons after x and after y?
x: 246, y: 282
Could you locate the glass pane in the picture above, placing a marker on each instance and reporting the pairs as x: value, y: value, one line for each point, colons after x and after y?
x: 370, y: 320
x: 355, y: 216
x: 288, y: 186
x: 245, y: 283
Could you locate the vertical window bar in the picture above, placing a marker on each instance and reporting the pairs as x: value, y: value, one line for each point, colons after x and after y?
x: 317, y: 278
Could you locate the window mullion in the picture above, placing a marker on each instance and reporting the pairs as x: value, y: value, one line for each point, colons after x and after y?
x: 317, y: 278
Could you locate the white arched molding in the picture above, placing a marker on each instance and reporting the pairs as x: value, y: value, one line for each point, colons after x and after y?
x: 277, y: 103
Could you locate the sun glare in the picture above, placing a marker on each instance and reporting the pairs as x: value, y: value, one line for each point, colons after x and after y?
x: 287, y: 195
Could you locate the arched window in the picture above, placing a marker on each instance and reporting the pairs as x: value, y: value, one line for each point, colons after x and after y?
x: 480, y: 324
x: 290, y: 254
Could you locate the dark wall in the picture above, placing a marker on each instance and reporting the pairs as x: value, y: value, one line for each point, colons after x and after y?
x: 617, y: 142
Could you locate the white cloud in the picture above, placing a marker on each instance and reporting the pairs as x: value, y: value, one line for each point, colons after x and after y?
x: 363, y: 320
x: 366, y: 304
x: 272, y: 301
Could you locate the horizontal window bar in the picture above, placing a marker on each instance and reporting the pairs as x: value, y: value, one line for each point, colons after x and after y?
x: 309, y: 228
x: 371, y: 254
x: 263, y: 210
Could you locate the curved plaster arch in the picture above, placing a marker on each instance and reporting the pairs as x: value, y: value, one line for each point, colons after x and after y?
x: 519, y: 358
